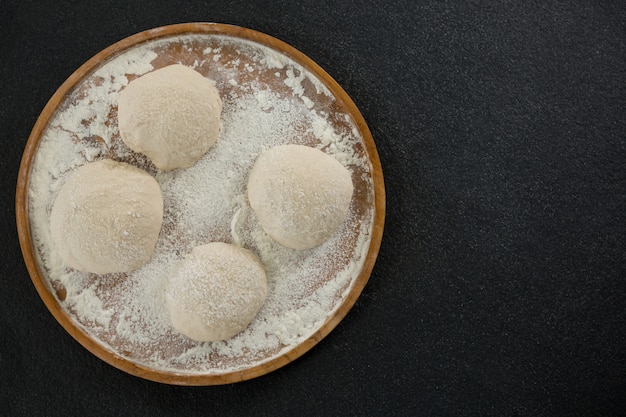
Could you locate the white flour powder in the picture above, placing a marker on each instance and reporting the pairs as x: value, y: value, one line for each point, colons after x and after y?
x: 268, y: 100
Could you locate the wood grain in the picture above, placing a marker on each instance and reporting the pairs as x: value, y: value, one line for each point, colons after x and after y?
x: 49, y: 298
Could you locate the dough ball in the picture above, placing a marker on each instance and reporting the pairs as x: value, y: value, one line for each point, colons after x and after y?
x: 107, y: 217
x: 299, y: 194
x: 172, y: 115
x: 215, y: 292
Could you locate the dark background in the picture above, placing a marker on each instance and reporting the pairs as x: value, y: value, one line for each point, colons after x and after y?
x: 499, y: 289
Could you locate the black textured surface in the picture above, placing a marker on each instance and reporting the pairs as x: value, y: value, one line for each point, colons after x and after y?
x: 499, y: 289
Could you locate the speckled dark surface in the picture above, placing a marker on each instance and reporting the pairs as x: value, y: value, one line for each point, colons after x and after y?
x: 500, y: 285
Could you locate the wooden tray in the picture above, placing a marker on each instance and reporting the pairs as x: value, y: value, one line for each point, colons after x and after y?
x: 208, y: 47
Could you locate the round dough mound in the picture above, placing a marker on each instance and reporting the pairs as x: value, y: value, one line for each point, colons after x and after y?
x: 299, y: 194
x: 107, y: 217
x: 172, y: 115
x: 215, y: 292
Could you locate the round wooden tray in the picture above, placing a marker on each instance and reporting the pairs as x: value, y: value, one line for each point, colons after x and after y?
x: 337, y: 102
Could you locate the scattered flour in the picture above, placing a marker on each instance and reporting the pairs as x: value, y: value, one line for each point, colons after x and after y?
x: 268, y: 100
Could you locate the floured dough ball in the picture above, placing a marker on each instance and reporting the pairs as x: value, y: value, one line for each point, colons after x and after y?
x: 299, y: 194
x: 107, y: 217
x: 172, y: 115
x: 215, y: 292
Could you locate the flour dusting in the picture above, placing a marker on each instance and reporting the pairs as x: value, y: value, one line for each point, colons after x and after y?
x: 268, y: 100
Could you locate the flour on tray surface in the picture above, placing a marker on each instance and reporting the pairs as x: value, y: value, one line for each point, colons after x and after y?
x: 207, y: 202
